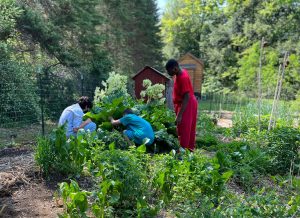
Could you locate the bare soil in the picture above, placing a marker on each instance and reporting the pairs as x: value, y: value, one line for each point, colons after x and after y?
x: 225, y: 119
x: 23, y: 191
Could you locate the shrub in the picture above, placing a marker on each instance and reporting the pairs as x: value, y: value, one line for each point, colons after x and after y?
x: 153, y: 92
x: 283, y: 147
x: 18, y: 91
x: 115, y: 83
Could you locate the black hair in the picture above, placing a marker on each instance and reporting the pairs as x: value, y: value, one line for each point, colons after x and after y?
x: 84, y: 102
x: 171, y: 64
x: 128, y: 111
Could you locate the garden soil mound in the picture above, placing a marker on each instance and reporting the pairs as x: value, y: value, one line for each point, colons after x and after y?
x: 23, y: 192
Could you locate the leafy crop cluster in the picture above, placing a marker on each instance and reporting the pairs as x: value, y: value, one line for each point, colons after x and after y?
x: 153, y: 92
x: 253, y: 175
x: 114, y: 99
x: 114, y: 83
x: 132, y: 183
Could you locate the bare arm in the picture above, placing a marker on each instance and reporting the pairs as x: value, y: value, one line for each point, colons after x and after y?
x: 82, y: 125
x: 185, y: 101
x: 114, y: 122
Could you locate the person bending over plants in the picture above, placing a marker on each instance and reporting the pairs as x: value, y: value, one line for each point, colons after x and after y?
x: 137, y: 129
x: 72, y: 116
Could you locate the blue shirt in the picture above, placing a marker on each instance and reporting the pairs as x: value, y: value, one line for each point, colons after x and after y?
x: 141, y: 128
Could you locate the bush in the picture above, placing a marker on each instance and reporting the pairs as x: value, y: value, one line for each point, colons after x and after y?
x: 283, y: 147
x: 18, y: 91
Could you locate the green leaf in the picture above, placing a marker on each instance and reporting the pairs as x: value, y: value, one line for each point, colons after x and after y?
x: 141, y: 149
x: 112, y: 146
x: 226, y: 176
x: 114, y: 198
x: 161, y: 179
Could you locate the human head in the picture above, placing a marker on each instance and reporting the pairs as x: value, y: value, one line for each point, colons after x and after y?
x: 172, y: 67
x: 128, y: 111
x: 85, y: 103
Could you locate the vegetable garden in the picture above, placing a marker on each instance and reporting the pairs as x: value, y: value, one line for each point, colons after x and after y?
x: 237, y: 172
x: 52, y: 52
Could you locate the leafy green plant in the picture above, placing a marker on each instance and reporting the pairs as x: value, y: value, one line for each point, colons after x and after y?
x: 75, y: 201
x: 44, y: 155
x: 206, y: 124
x: 264, y: 203
x: 56, y: 154
x: 283, y: 147
x: 159, y: 116
x: 113, y: 109
x: 117, y: 171
x: 189, y: 180
x: 115, y: 137
x: 165, y: 142
x: 247, y: 162
x: 206, y: 141
x: 153, y: 92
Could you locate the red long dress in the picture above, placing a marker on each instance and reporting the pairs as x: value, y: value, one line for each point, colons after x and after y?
x: 187, y: 128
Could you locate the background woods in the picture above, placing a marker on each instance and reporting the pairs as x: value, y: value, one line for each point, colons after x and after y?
x: 243, y: 57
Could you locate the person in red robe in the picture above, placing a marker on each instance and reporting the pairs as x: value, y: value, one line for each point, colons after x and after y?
x: 185, y: 105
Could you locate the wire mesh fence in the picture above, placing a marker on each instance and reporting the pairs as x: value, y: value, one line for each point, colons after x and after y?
x: 32, y: 108
x: 244, y: 106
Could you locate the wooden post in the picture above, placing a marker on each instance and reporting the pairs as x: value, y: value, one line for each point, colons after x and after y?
x: 274, y: 100
x: 278, y: 92
x: 259, y: 83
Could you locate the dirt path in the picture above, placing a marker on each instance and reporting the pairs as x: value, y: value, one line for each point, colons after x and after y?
x: 23, y: 192
x: 225, y: 119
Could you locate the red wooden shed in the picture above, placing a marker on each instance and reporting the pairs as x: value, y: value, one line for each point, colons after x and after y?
x: 148, y: 73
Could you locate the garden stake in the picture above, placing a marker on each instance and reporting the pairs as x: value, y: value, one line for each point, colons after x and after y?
x: 259, y: 82
x: 274, y: 100
x: 277, y: 94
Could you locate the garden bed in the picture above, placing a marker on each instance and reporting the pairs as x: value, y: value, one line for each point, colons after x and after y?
x: 23, y: 191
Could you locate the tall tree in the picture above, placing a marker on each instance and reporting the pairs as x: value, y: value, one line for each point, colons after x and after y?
x: 225, y: 34
x: 133, y: 34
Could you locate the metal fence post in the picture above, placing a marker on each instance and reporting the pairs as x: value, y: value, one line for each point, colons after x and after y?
x: 42, y: 100
x: 81, y: 77
x: 210, y: 103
